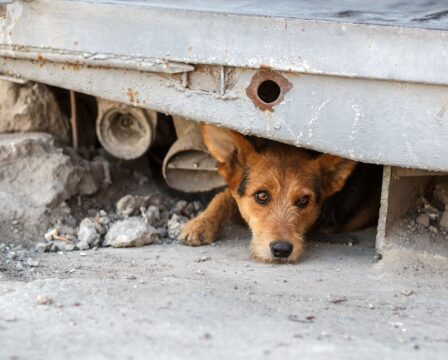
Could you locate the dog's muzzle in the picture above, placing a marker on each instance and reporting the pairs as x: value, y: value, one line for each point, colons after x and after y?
x: 281, y: 249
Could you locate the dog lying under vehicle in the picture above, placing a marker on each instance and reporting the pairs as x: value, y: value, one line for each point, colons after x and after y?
x: 284, y: 192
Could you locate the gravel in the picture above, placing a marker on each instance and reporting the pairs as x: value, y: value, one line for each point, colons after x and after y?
x: 131, y: 232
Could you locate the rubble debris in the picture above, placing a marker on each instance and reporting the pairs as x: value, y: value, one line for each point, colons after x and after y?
x: 444, y: 219
x: 44, y: 300
x: 159, y: 222
x: 31, y: 107
x: 130, y: 205
x: 131, y: 232
x: 175, y: 225
x: 43, y: 247
x: 336, y: 299
x: 37, y: 178
x: 203, y: 258
x: 87, y: 234
x: 430, y: 219
x: 423, y: 219
x: 32, y: 263
x: 151, y: 214
x: 407, y: 292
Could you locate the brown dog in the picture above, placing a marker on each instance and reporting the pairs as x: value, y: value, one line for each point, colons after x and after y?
x: 284, y: 192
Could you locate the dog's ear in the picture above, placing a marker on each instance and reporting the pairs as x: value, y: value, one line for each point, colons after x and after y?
x: 228, y: 147
x: 335, y: 171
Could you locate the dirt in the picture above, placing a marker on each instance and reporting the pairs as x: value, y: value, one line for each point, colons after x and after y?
x: 424, y: 229
x: 171, y: 301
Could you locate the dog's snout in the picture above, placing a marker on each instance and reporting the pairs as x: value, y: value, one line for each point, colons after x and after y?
x: 281, y: 249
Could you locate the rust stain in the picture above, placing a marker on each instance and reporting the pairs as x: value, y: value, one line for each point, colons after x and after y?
x: 132, y: 96
x: 75, y: 66
x: 41, y: 60
x: 261, y: 76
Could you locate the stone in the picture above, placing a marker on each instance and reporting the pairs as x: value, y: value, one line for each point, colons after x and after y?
x: 433, y: 229
x: 32, y: 263
x: 82, y: 245
x: 180, y: 207
x: 51, y: 234
x: 151, y: 214
x: 175, y: 225
x: 130, y: 232
x: 87, y: 232
x: 31, y: 107
x: 69, y: 247
x: 37, y: 178
x: 444, y: 219
x: 423, y: 219
x: 43, y: 247
x: 129, y: 204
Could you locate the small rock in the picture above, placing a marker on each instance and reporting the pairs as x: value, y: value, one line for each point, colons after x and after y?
x: 58, y: 246
x: 433, y: 229
x: 69, y: 247
x: 203, y: 258
x: 43, y: 247
x: 32, y: 263
x: 197, y: 206
x: 130, y: 232
x: 423, y: 219
x: 151, y: 214
x: 44, y: 300
x: 180, y: 207
x: 82, y: 245
x: 51, y: 234
x: 175, y: 225
x: 444, y: 220
x: 336, y: 300
x: 407, y: 292
x: 87, y: 232
x: 129, y: 205
x: 22, y: 254
x: 53, y: 247
x: 433, y: 215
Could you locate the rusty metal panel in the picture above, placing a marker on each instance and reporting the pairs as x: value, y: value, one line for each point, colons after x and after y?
x: 365, y: 84
x: 373, y: 121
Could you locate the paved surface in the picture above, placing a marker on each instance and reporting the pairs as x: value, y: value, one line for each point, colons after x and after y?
x: 161, y: 302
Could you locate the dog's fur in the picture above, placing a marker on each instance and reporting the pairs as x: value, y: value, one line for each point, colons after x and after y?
x: 284, y: 192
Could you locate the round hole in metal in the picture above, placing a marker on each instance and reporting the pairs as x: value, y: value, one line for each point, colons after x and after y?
x: 268, y: 91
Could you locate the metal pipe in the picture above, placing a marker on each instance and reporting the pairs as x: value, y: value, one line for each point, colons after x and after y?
x: 188, y: 166
x: 124, y: 131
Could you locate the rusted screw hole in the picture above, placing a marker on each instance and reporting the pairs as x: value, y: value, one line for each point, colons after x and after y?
x: 268, y: 91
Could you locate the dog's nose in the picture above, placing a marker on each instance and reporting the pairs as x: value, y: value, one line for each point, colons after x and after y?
x: 281, y: 249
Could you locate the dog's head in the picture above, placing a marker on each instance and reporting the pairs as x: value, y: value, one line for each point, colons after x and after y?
x: 279, y: 189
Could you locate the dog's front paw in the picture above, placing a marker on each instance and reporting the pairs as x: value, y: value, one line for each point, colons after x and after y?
x: 199, y: 231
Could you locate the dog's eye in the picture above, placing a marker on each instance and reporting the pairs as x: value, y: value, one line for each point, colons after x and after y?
x: 303, y: 201
x: 262, y: 197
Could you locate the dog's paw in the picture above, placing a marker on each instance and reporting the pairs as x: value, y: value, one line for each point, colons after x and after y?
x: 199, y: 231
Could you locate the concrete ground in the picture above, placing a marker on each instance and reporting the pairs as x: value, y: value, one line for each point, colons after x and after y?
x: 176, y: 302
